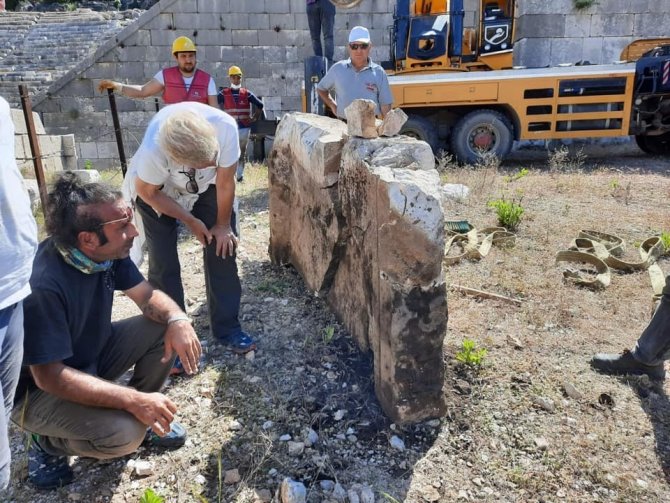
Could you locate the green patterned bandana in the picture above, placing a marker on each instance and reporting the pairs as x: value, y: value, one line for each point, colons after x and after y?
x: 81, y: 262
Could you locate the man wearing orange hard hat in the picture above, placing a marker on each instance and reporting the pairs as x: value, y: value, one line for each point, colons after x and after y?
x: 176, y: 84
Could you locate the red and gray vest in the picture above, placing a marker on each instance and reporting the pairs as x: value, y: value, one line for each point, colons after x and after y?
x: 239, y: 108
x: 175, y: 90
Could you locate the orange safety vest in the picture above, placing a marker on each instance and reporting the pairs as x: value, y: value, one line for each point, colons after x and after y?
x: 238, y: 108
x: 175, y: 90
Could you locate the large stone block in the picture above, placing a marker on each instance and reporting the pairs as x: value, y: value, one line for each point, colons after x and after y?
x: 592, y: 49
x: 565, y: 50
x: 305, y: 229
x: 653, y: 24
x: 577, y: 25
x: 389, y: 289
x: 20, y: 123
x: 612, y: 25
x: 541, y: 25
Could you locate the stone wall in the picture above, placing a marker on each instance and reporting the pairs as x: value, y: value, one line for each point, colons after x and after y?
x: 361, y: 221
x: 269, y: 39
x: 57, y: 151
x: 551, y: 33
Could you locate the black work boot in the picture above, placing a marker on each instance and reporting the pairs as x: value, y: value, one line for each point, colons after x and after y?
x: 625, y: 363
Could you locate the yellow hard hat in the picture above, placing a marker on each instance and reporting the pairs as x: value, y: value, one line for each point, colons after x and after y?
x: 234, y: 70
x: 183, y: 44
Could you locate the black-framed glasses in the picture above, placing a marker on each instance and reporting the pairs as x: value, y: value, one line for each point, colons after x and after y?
x: 355, y: 47
x: 192, y: 184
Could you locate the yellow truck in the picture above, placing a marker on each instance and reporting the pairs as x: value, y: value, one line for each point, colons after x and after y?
x: 458, y: 87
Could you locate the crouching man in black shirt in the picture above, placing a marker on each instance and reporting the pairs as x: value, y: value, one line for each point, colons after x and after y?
x: 73, y: 353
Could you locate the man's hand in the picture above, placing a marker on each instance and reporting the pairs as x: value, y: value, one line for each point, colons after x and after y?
x: 109, y: 84
x: 181, y: 338
x: 199, y: 230
x: 226, y: 241
x: 154, y: 410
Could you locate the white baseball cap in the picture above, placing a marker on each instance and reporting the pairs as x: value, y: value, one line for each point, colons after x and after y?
x: 359, y: 34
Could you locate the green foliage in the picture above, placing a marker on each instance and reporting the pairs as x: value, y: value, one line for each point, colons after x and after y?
x: 665, y: 239
x: 388, y: 497
x: 470, y: 355
x: 583, y: 4
x: 275, y: 287
x: 88, y: 164
x: 150, y: 496
x: 516, y: 176
x: 509, y: 212
x: 614, y: 184
x: 328, y: 334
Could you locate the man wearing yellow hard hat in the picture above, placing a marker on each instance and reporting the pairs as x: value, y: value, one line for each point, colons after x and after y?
x: 237, y: 101
x: 176, y: 84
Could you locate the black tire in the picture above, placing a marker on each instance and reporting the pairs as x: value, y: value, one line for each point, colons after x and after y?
x: 654, y: 145
x: 422, y: 129
x: 481, y: 133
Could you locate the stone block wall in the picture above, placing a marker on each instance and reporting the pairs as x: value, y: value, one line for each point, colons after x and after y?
x: 361, y: 221
x: 58, y: 151
x: 551, y: 33
x: 267, y: 38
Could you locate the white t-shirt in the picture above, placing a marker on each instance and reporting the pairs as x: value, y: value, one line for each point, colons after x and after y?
x: 211, y: 87
x: 18, y: 231
x: 154, y: 166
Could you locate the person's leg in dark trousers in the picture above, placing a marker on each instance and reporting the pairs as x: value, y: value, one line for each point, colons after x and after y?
x: 11, y: 354
x: 221, y: 278
x: 327, y: 25
x: 71, y: 429
x: 161, y: 238
x: 314, y: 21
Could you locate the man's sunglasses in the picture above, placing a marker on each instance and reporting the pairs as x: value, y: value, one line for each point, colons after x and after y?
x: 192, y: 184
x: 355, y: 47
x: 127, y: 219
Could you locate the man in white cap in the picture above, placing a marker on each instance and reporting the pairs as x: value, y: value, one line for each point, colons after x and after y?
x: 356, y: 78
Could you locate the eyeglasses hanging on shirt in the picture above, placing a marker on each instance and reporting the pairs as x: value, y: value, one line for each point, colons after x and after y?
x: 192, y: 184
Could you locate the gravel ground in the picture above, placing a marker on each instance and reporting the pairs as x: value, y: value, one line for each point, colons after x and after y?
x: 516, y: 431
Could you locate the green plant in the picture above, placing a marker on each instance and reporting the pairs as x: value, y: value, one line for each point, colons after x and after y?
x: 470, y: 355
x: 149, y: 496
x: 509, y: 212
x: 583, y: 4
x: 328, y: 333
x: 388, y: 497
x: 88, y: 164
x: 665, y: 239
x: 275, y: 287
x: 516, y: 176
x: 614, y: 184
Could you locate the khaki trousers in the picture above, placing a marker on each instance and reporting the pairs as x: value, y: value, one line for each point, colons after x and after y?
x: 72, y: 429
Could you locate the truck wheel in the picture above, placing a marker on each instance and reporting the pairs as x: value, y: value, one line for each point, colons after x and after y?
x: 654, y: 145
x: 422, y: 129
x: 481, y: 133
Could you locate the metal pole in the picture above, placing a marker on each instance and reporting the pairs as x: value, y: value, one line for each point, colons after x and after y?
x: 34, y: 144
x: 117, y: 130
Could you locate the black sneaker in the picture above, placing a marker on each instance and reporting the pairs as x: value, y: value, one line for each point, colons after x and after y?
x: 44, y: 470
x: 175, y: 438
x: 625, y: 363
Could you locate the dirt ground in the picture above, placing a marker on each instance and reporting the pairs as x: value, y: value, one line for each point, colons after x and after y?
x: 511, y: 434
